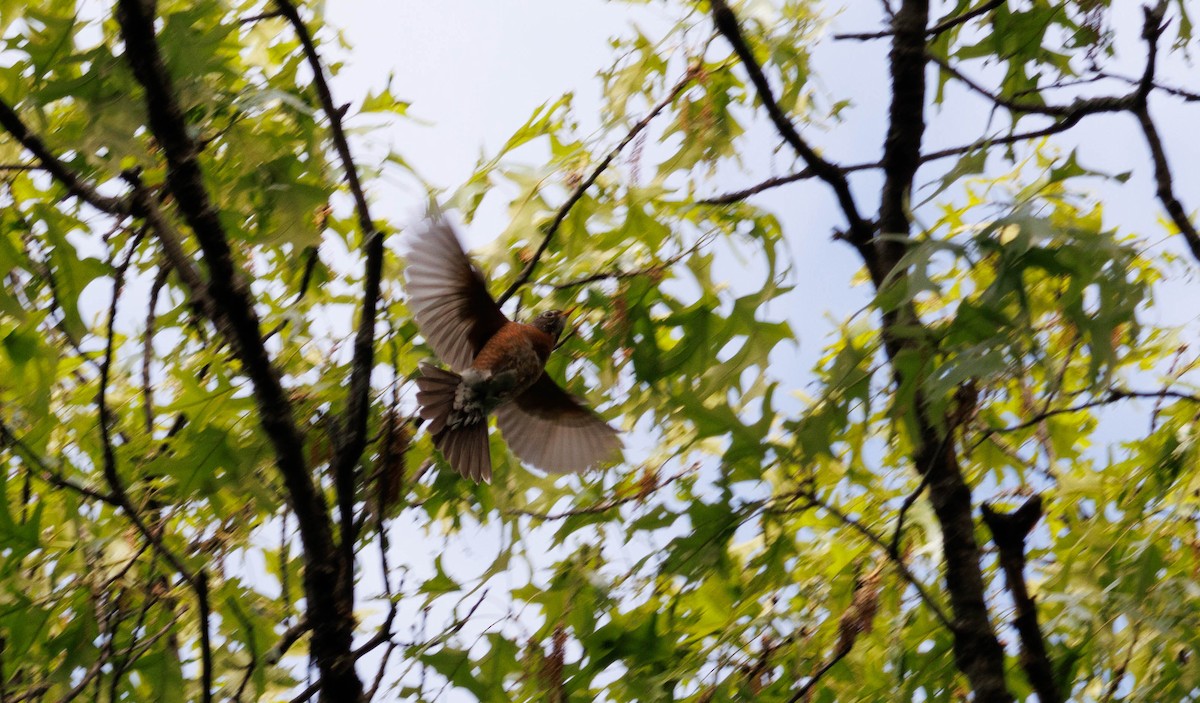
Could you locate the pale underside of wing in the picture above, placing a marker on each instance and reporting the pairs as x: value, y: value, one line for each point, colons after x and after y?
x: 448, y: 297
x: 548, y: 428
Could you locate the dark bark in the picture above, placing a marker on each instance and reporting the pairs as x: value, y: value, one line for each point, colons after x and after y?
x: 75, y: 185
x: 977, y: 652
x: 331, y: 615
x: 1009, y: 532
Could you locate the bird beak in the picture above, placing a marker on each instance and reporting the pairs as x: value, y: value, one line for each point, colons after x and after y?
x: 568, y: 311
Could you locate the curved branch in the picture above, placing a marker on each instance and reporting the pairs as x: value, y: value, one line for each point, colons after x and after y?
x: 942, y: 616
x: 577, y: 194
x: 806, y: 174
x: 1077, y: 108
x: 75, y: 185
x: 727, y: 24
x: 1163, y: 180
x: 943, y: 26
x: 605, y: 506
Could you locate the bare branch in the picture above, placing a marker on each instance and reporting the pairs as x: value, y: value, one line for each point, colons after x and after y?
x: 1164, y: 181
x: 651, y: 270
x: 855, y: 620
x: 1075, y: 110
x: 1115, y: 395
x: 997, y: 140
x: 76, y: 186
x: 945, y: 25
x: 160, y: 279
x: 383, y: 636
x: 198, y: 581
x: 909, y: 500
x: 1009, y: 531
x: 577, y: 194
x: 727, y: 24
x: 259, y: 17
x: 132, y: 653
x: 869, y: 534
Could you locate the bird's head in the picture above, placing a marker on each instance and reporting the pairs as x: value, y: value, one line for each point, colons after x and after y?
x: 552, y: 322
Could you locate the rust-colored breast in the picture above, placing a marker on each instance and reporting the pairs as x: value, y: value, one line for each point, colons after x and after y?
x: 516, y: 347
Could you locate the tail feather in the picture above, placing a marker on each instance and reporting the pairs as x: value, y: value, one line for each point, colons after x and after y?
x: 466, y: 448
x: 462, y: 441
x: 436, y: 390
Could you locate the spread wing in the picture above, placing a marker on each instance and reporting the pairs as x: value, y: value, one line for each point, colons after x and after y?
x: 547, y: 427
x: 448, y: 297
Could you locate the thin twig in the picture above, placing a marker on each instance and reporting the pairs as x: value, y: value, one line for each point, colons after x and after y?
x: 160, y: 279
x: 605, y: 506
x: 651, y: 270
x: 1115, y: 395
x: 577, y: 194
x: 1075, y: 109
x: 817, y: 675
x: 806, y: 174
x: 133, y: 652
x: 878, y: 541
x: 259, y: 17
x: 935, y: 30
x: 383, y: 636
x: 909, y: 500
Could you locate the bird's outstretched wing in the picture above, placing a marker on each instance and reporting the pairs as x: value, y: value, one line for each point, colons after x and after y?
x: 547, y: 427
x: 448, y: 296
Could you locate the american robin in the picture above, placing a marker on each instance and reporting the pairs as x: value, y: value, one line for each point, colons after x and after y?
x: 496, y: 367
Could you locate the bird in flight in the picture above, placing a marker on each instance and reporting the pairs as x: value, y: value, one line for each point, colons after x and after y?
x: 497, y: 366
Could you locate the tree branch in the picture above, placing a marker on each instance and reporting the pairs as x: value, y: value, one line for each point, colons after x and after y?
x: 333, y: 617
x: 727, y: 24
x: 813, y: 499
x: 351, y: 439
x: 76, y: 186
x: 946, y: 24
x: 1076, y: 109
x: 906, y: 128
x: 855, y: 620
x: 977, y: 652
x: 619, y: 274
x: 1009, y: 532
x: 605, y: 506
x: 198, y: 581
x: 1164, y: 181
x: 1115, y: 395
x: 1000, y: 139
x: 577, y: 194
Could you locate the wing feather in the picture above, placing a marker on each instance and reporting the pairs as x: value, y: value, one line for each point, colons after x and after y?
x: 551, y: 429
x: 448, y: 296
